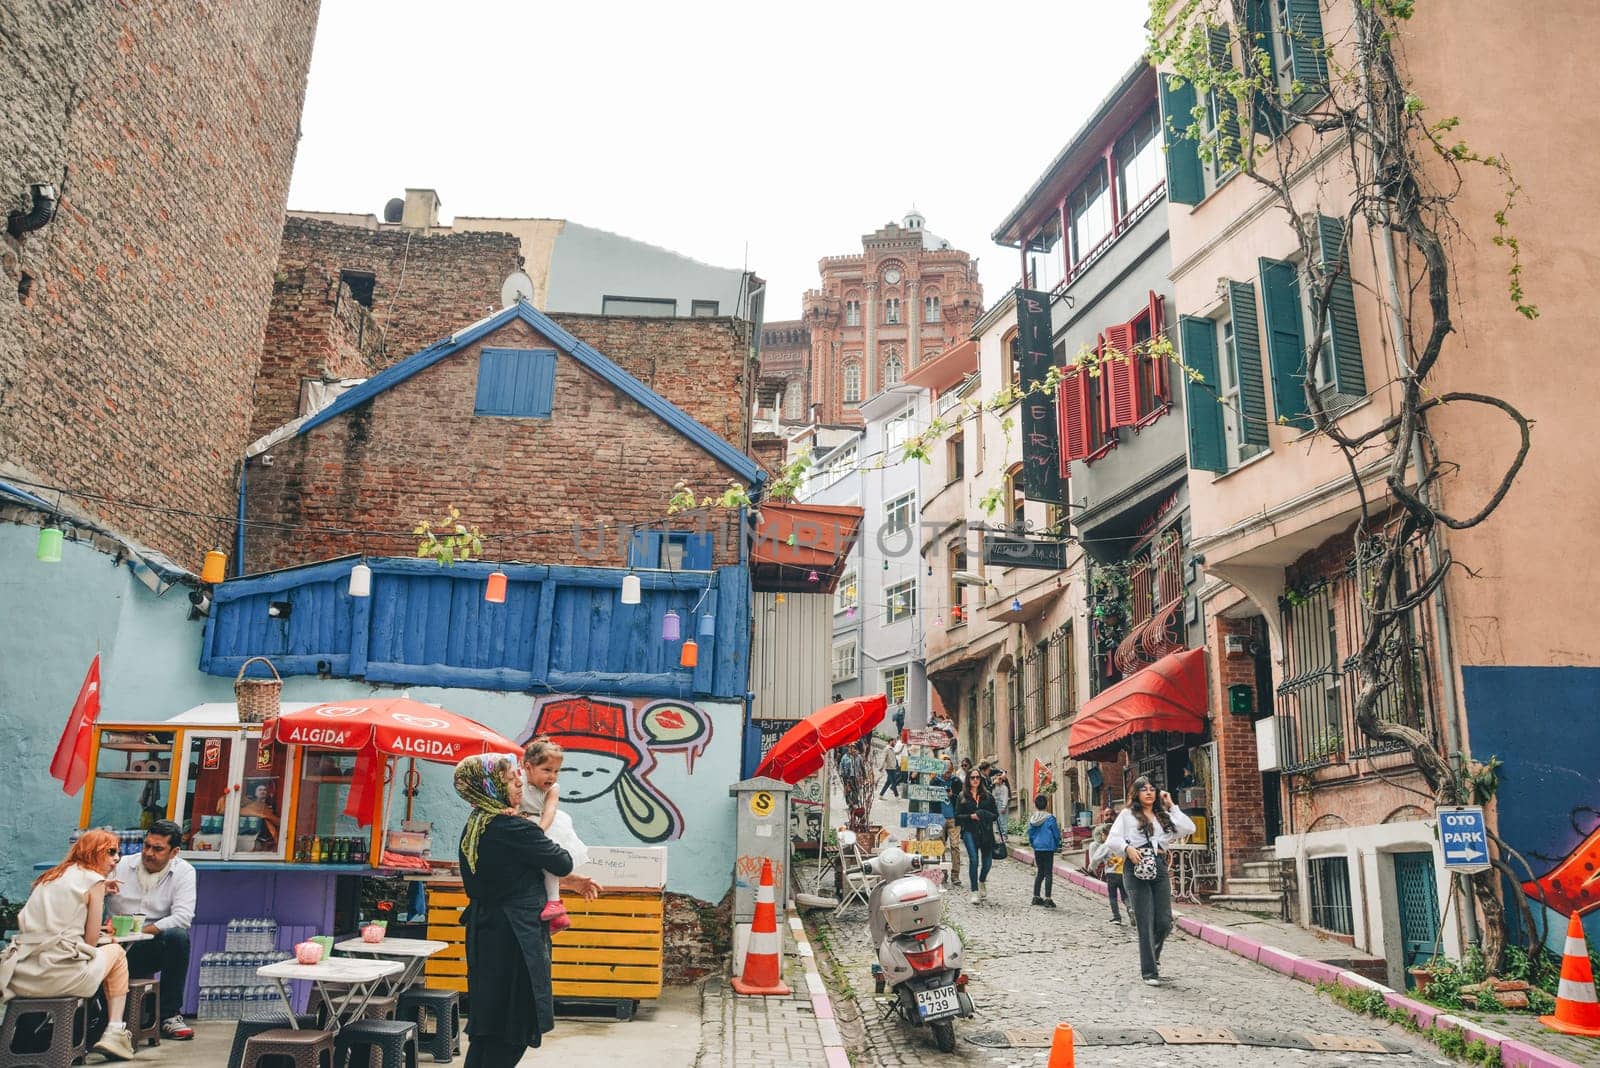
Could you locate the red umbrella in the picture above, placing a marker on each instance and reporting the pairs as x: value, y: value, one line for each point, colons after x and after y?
x: 800, y: 752
x: 392, y: 726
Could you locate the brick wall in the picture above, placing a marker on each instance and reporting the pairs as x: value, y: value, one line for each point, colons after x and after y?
x: 1402, y: 794
x: 699, y: 937
x: 416, y: 449
x: 1243, y: 819
x: 127, y: 368
x: 316, y: 329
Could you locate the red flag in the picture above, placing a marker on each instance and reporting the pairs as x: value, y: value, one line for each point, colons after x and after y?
x: 71, y: 762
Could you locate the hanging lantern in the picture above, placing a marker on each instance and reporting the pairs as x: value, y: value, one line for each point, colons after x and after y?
x: 49, y: 550
x: 790, y: 541
x: 671, y: 627
x: 630, y: 589
x: 886, y: 565
x: 708, y: 626
x: 690, y: 656
x: 850, y: 591
x: 813, y: 577
x: 938, y: 621
x: 361, y: 580
x: 215, y: 569
x: 1016, y: 604
x: 495, y: 592
x: 850, y: 613
x: 778, y: 599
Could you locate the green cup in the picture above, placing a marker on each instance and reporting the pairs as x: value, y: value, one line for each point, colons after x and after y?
x: 122, y: 926
x: 326, y: 942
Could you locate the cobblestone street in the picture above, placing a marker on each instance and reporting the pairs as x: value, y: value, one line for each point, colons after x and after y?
x: 1031, y: 968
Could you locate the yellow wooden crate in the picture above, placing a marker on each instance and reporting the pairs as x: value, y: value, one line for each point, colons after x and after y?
x: 612, y: 951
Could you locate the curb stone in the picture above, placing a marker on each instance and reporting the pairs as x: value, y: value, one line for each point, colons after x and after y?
x: 822, y: 1004
x: 1513, y: 1053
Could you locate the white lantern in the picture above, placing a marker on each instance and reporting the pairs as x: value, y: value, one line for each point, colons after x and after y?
x: 361, y: 581
x: 630, y: 589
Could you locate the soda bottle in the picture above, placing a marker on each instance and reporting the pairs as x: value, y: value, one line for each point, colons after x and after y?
x: 316, y: 849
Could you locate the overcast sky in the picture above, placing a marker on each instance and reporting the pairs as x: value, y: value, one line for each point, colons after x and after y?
x: 767, y: 133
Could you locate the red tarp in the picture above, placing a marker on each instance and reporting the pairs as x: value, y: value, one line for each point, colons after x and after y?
x: 1169, y: 695
x: 392, y: 726
x: 800, y: 751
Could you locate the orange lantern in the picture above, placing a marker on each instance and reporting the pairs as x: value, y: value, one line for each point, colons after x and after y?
x: 495, y: 592
x: 215, y: 569
x: 690, y: 656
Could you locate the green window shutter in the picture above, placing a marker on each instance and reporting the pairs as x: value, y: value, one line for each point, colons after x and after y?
x: 1349, y: 377
x: 1207, y: 451
x: 1306, y: 51
x: 1265, y: 119
x: 1228, y: 149
x: 1247, y: 347
x: 1280, y: 292
x: 1186, y: 184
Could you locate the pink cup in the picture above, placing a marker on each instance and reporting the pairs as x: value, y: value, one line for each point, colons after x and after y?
x: 308, y: 953
x: 372, y: 933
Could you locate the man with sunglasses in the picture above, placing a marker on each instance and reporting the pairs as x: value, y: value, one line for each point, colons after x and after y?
x: 160, y: 886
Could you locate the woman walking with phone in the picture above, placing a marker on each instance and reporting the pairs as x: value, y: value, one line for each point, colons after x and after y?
x: 1141, y: 834
x: 975, y: 815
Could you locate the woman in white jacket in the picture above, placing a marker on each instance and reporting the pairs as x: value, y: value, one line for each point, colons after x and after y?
x: 1142, y: 833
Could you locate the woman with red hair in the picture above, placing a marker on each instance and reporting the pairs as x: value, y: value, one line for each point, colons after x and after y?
x: 56, y: 952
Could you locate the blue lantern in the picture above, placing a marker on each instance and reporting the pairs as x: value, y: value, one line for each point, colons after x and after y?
x: 708, y: 626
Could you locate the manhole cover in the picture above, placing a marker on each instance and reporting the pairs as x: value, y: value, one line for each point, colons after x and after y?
x: 1187, y: 1036
x: 988, y: 1039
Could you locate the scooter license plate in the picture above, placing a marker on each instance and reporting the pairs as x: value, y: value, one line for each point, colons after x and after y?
x: 940, y: 1001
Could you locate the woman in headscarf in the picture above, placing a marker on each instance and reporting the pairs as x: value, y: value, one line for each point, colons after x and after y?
x: 503, y: 861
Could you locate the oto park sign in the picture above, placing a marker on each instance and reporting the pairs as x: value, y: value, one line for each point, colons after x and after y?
x: 1465, y: 839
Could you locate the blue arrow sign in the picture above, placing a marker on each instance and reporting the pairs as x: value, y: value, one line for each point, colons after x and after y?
x: 1465, y: 838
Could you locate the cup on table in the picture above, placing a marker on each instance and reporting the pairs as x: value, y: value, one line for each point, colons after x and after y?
x: 325, y: 941
x: 122, y: 926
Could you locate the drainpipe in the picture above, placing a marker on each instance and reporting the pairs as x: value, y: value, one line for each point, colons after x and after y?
x: 1441, y: 615
x: 238, y: 537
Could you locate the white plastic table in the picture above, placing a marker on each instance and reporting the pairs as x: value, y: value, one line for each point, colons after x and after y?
x: 358, y: 978
x: 412, y: 953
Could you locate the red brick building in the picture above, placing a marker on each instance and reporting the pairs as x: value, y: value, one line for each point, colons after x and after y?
x: 907, y: 296
x: 556, y: 450
x: 131, y: 320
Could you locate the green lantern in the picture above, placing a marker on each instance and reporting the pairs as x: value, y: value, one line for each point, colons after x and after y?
x: 49, y: 551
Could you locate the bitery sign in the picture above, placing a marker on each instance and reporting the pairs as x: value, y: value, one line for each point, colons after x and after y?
x: 1041, y: 463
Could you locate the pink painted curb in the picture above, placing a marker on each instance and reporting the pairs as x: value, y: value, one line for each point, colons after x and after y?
x: 837, y: 1058
x: 822, y: 1006
x: 1215, y: 935
x: 1278, y: 960
x: 1189, y: 925
x: 1423, y: 1014
x: 1247, y: 948
x: 1517, y: 1054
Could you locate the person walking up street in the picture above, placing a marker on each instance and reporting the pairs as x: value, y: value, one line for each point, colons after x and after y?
x: 892, y: 755
x: 1112, y: 871
x: 975, y: 816
x: 1001, y: 787
x: 952, y: 844
x: 1142, y: 833
x: 1044, y: 835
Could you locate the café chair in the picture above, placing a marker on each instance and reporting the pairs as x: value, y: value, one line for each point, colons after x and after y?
x: 308, y: 1048
x: 67, y: 1020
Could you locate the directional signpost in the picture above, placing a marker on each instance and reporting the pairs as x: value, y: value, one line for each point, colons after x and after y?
x: 1465, y: 839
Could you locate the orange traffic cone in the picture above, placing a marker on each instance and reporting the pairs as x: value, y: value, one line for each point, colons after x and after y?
x: 1061, y: 1047
x: 763, y: 973
x: 1577, y: 1010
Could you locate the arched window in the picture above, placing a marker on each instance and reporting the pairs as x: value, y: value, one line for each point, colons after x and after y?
x: 852, y: 383
x: 930, y: 309
x: 893, y: 369
x: 1016, y: 503
x: 794, y: 400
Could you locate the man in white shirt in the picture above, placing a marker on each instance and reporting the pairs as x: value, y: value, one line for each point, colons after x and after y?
x: 160, y: 886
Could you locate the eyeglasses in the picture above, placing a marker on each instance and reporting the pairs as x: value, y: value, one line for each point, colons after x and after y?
x: 113, y: 851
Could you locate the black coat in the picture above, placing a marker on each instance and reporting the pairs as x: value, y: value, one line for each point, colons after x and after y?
x: 508, y: 946
x: 981, y: 828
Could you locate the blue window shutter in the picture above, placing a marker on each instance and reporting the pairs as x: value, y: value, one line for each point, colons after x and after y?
x: 516, y: 382
x: 1247, y: 348
x: 1306, y: 51
x: 1201, y: 403
x: 1349, y: 376
x: 644, y: 550
x: 1186, y: 183
x: 1280, y: 292
x: 697, y: 552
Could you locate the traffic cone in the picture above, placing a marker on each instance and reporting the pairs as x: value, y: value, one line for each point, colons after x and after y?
x: 1061, y: 1047
x: 1577, y: 1010
x: 763, y: 970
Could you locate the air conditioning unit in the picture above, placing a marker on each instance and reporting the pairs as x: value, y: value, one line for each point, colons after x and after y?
x: 1269, y: 739
x: 1237, y: 645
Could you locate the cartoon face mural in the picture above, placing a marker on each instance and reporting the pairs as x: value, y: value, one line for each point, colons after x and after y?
x: 611, y: 748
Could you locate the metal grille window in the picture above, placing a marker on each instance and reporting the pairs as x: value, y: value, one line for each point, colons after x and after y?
x: 1058, y: 683
x: 1014, y: 706
x: 1036, y: 668
x: 1330, y: 895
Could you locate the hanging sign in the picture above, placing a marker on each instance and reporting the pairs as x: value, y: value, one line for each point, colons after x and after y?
x: 925, y: 765
x: 1001, y: 551
x: 919, y: 792
x: 930, y: 737
x: 921, y: 819
x: 1041, y: 443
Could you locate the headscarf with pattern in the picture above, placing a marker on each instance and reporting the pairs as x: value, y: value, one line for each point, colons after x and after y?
x: 481, y: 782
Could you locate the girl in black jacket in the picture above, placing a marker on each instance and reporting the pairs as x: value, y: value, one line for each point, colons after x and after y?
x: 975, y: 816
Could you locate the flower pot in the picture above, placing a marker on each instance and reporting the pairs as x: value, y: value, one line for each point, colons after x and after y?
x: 308, y: 953
x: 1421, y: 977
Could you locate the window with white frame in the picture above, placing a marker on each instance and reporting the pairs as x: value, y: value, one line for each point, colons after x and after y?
x: 900, y: 601
x: 852, y: 383
x: 844, y: 596
x: 898, y: 431
x: 1233, y: 417
x: 896, y: 681
x: 844, y: 660
x: 930, y: 309
x: 893, y: 370
x: 900, y: 513
x: 1089, y: 212
x: 891, y: 310
x: 1141, y: 169
x: 852, y: 313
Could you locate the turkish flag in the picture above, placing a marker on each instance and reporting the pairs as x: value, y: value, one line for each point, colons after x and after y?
x: 71, y: 762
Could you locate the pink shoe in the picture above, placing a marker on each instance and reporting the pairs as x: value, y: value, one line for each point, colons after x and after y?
x: 555, y: 914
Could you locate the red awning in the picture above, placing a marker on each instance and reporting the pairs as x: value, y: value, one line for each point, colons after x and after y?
x: 1169, y: 695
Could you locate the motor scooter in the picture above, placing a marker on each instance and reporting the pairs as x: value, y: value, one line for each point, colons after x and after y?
x: 919, y: 958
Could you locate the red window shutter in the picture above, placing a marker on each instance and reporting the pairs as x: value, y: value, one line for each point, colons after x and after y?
x: 1158, y: 366
x: 1121, y: 377
x: 1072, y: 413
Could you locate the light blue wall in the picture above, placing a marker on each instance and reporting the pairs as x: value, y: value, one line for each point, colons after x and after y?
x: 56, y: 615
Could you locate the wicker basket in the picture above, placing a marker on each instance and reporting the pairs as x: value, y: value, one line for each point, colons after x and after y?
x: 257, y: 698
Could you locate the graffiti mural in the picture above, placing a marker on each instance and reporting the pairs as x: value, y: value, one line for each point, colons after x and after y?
x: 612, y: 745
x: 1543, y: 724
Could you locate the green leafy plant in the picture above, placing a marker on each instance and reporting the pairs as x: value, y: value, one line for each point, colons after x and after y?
x: 448, y: 541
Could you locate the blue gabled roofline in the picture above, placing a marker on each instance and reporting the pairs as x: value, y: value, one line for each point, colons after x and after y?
x: 586, y: 354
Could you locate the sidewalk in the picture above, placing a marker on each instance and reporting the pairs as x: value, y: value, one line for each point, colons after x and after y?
x: 1296, y: 952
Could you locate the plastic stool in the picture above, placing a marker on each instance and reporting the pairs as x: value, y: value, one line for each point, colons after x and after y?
x: 308, y: 1048
x: 396, y: 1041
x: 143, y: 1014
x: 380, y: 1007
x: 443, y: 1007
x: 67, y: 1020
x: 260, y: 1023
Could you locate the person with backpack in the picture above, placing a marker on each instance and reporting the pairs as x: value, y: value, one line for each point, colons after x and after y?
x: 1044, y: 835
x: 1142, y: 833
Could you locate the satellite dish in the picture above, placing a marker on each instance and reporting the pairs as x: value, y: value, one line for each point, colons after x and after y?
x: 517, y: 287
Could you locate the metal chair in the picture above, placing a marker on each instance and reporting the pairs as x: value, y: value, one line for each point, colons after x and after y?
x: 442, y: 1008
x: 858, y: 882
x: 43, y: 1032
x: 308, y: 1047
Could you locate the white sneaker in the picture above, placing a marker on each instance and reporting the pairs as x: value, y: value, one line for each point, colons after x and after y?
x: 983, y: 891
x: 116, y: 1044
x: 974, y: 897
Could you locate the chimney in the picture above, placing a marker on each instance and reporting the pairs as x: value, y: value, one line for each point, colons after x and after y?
x: 422, y: 209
